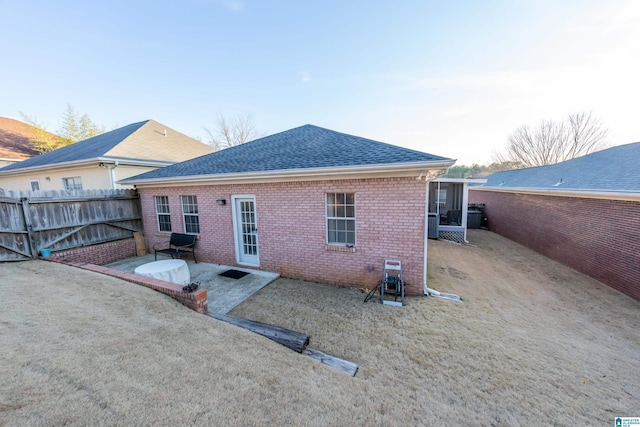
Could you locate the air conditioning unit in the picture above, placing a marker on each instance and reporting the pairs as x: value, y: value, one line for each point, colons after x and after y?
x: 432, y: 223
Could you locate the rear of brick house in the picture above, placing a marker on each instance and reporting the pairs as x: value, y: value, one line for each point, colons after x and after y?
x: 308, y: 203
x: 583, y: 212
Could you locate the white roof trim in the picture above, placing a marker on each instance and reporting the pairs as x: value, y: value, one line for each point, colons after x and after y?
x: 589, y: 194
x: 462, y: 180
x: 86, y: 162
x: 343, y: 172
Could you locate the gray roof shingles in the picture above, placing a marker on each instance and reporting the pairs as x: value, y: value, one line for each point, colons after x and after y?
x: 613, y: 169
x: 303, y: 147
x: 83, y: 150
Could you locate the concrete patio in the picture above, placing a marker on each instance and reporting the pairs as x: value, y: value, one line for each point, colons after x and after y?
x: 223, y: 293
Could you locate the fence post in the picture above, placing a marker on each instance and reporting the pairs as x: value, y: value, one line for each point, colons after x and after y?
x: 27, y: 223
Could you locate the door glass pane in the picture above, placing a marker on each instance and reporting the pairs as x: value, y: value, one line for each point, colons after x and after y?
x: 248, y: 227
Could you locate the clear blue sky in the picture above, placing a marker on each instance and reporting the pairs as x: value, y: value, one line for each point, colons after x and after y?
x: 449, y: 78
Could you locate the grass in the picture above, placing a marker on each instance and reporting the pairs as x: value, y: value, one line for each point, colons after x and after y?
x: 534, y: 343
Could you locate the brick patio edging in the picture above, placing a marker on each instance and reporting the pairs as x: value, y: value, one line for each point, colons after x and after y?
x: 196, y: 301
x: 101, y: 254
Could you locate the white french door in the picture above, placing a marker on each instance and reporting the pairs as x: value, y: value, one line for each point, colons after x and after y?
x: 246, y: 230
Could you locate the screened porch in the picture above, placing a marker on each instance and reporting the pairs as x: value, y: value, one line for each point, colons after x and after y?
x: 448, y: 201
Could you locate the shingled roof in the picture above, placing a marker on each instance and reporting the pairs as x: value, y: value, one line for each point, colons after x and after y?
x: 15, y: 139
x: 614, y: 169
x: 304, y: 147
x: 144, y: 141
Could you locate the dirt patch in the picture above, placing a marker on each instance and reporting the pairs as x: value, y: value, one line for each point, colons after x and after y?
x: 534, y: 343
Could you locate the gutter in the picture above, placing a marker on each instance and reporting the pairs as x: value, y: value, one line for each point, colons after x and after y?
x: 586, y: 194
x: 463, y: 180
x: 85, y: 162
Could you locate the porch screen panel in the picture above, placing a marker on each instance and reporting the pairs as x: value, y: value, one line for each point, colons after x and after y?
x: 455, y: 190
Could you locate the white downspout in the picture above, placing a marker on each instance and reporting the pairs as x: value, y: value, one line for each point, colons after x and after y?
x: 112, y: 175
x: 465, y: 210
x: 425, y: 288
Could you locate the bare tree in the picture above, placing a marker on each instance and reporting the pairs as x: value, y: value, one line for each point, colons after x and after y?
x: 236, y: 131
x: 587, y: 135
x: 552, y: 142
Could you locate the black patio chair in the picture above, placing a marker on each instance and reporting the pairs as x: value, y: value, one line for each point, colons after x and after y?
x: 178, y: 246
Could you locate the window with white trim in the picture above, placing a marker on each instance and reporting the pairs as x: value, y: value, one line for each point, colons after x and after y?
x: 190, y: 214
x: 341, y: 219
x: 163, y: 214
x: 72, y: 183
x: 35, y: 184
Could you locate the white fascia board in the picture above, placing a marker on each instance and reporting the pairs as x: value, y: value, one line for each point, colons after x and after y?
x: 462, y: 180
x: 85, y: 162
x: 587, y: 194
x: 134, y: 162
x: 52, y: 166
x: 309, y: 174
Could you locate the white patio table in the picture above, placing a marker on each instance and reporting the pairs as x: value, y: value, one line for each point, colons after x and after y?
x: 169, y: 270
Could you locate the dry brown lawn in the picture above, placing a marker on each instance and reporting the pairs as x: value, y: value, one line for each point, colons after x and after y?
x: 534, y: 343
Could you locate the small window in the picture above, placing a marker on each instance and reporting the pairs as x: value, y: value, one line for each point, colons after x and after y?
x: 74, y: 183
x: 341, y: 219
x: 162, y: 211
x: 190, y: 214
x: 35, y: 184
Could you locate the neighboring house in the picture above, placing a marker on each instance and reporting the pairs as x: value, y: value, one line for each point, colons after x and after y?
x: 308, y: 203
x: 15, y: 141
x: 583, y: 212
x: 99, y: 162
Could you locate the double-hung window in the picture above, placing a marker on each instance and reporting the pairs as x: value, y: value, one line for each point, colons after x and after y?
x: 190, y: 214
x: 73, y: 183
x: 163, y: 214
x: 341, y: 219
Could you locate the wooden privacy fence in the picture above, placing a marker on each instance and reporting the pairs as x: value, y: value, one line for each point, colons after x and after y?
x: 61, y: 220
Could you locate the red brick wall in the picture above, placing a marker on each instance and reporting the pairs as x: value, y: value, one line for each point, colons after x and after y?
x: 292, y: 229
x: 598, y: 237
x: 196, y: 301
x: 99, y: 254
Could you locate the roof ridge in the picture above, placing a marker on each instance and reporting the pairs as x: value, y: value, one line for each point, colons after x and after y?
x: 304, y: 147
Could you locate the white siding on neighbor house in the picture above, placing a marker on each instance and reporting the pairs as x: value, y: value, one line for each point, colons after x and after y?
x: 92, y: 178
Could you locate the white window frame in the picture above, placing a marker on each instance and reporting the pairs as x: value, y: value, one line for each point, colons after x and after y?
x: 76, y: 183
x: 162, y: 210
x: 339, y: 212
x: 36, y: 182
x: 191, y: 211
